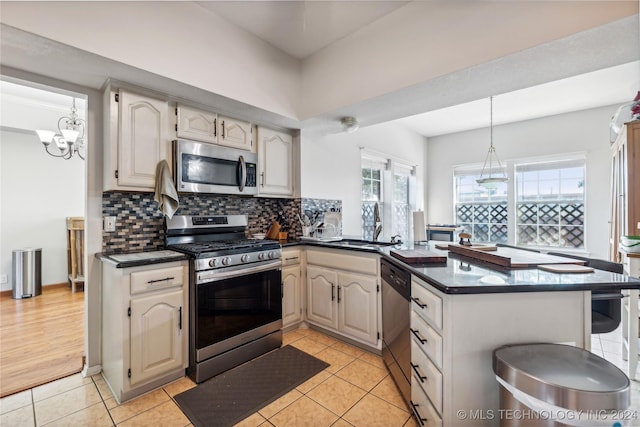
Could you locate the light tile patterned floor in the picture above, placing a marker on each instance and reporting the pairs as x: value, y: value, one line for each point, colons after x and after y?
x: 355, y: 390
x: 609, y: 347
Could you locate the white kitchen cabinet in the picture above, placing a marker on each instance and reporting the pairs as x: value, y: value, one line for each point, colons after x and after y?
x: 137, y: 138
x: 453, y: 337
x: 207, y: 126
x: 426, y: 353
x: 291, y: 288
x: 275, y: 162
x: 156, y: 334
x: 357, y: 306
x: 144, y: 327
x: 235, y: 133
x: 196, y: 124
x: 343, y: 293
x: 322, y: 308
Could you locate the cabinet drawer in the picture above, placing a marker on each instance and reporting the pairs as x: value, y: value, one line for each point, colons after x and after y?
x: 427, y: 375
x: 146, y: 281
x: 343, y: 261
x: 426, y: 304
x: 424, y: 412
x: 426, y: 339
x: 290, y: 256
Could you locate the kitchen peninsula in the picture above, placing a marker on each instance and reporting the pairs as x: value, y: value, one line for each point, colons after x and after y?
x: 464, y: 309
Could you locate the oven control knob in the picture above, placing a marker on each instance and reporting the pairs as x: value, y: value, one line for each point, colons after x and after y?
x: 244, y: 258
x: 226, y: 260
x: 214, y: 262
x: 261, y: 256
x: 272, y: 254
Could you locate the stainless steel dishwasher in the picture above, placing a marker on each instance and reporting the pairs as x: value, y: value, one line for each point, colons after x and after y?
x: 396, y: 341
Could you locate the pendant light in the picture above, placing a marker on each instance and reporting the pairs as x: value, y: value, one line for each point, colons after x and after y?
x: 487, y: 178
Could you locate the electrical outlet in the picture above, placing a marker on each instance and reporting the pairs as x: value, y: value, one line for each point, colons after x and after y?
x: 109, y: 223
x: 3, y: 279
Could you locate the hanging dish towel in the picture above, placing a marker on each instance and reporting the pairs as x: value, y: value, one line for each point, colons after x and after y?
x: 166, y: 194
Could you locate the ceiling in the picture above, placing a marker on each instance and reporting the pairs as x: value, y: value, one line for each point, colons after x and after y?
x: 610, y: 86
x: 301, y: 28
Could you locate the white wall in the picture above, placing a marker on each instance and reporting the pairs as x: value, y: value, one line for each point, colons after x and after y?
x: 37, y: 193
x: 330, y: 165
x: 178, y: 40
x: 585, y: 131
x: 425, y: 40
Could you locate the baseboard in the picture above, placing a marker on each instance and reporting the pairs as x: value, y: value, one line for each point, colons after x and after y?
x: 8, y: 292
x: 88, y: 371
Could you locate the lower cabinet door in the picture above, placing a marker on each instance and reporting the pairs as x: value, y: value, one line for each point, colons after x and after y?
x: 157, y: 340
x: 291, y: 303
x: 358, y: 306
x: 321, y: 296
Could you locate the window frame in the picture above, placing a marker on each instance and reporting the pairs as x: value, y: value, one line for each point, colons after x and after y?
x: 512, y: 195
x: 390, y: 167
x: 580, y: 160
x: 475, y: 171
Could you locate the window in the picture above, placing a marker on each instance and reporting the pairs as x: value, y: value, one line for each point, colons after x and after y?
x: 372, y: 194
x: 482, y: 212
x: 402, y: 201
x: 543, y: 205
x: 391, y: 185
x: 550, y: 203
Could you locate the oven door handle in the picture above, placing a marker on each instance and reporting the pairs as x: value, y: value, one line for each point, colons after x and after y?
x: 212, y: 275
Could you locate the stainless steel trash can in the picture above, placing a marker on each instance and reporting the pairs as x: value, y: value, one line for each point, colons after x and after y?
x: 558, y: 385
x: 27, y: 272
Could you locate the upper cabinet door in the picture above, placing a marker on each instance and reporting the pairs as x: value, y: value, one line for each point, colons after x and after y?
x: 197, y: 124
x: 275, y: 158
x: 143, y: 139
x: 234, y: 133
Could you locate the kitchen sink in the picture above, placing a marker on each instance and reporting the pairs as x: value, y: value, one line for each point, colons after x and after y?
x: 365, y: 243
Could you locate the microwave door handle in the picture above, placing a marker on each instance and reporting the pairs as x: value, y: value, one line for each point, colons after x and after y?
x: 243, y: 173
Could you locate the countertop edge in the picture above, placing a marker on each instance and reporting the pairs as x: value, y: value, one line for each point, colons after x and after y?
x: 105, y: 258
x: 634, y: 283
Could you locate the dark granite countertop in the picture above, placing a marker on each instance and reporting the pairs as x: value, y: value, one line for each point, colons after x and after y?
x: 463, y: 275
x: 138, y: 259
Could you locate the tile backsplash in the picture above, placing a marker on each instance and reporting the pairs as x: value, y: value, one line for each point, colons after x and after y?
x: 140, y: 226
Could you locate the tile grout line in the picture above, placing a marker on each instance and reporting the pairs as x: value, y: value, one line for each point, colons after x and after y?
x: 33, y: 407
x: 113, y: 422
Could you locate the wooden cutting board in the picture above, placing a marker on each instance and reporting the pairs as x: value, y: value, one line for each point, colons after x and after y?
x: 479, y: 247
x: 513, y: 257
x: 418, y: 256
x: 566, y: 268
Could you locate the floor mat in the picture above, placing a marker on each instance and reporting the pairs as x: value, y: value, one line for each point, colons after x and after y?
x: 232, y: 396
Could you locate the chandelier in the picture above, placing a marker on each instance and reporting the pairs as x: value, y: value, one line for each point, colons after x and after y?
x: 490, y: 180
x: 70, y: 136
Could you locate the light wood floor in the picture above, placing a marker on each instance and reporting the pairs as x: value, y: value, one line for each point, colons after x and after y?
x: 41, y: 338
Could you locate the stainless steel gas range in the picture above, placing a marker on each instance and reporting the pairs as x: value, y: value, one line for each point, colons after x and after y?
x: 235, y: 292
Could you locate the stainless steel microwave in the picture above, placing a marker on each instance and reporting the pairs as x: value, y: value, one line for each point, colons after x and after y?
x: 207, y: 168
